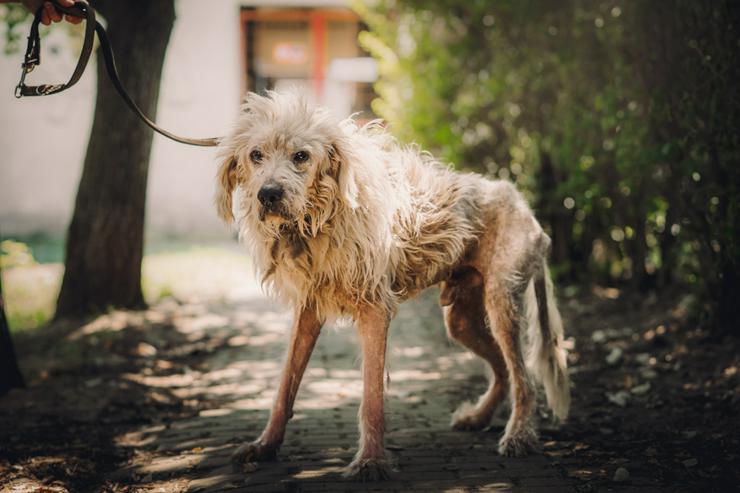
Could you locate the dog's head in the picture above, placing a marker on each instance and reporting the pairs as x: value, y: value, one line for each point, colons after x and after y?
x: 290, y: 162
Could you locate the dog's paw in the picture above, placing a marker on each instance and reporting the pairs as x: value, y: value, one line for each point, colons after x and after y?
x: 519, y: 444
x: 374, y: 469
x: 252, y: 452
x: 467, y: 419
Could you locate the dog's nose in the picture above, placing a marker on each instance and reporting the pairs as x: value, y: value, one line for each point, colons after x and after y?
x: 270, y: 195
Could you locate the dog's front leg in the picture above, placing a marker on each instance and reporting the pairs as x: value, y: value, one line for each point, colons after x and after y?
x: 306, y: 328
x: 370, y: 464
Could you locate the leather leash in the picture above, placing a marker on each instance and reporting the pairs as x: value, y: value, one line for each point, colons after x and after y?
x: 92, y: 26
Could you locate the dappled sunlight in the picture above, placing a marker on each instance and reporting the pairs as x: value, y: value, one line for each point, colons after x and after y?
x: 237, y: 341
x: 254, y: 403
x: 215, y: 366
x: 213, y: 360
x: 210, y: 413
x: 415, y: 375
x: 330, y: 393
x: 319, y: 472
x: 266, y: 339
x: 112, y: 322
x: 168, y: 381
x: 253, y: 368
x: 202, y: 322
x: 224, y: 374
x: 225, y: 361
x: 409, y: 352
x: 227, y: 390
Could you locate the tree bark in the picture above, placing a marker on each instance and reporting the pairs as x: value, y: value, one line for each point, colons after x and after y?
x: 10, y: 374
x: 106, y: 236
x: 551, y: 211
x: 728, y: 309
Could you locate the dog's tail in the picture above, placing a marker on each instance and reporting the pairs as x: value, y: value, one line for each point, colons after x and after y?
x: 546, y: 357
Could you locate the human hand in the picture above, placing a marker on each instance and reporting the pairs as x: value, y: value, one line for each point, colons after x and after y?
x: 50, y: 13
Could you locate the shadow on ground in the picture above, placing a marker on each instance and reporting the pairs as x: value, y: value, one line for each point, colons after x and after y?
x: 170, y: 392
x: 157, y: 400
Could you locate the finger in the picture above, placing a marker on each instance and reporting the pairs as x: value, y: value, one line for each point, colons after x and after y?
x: 66, y: 3
x: 46, y: 15
x: 50, y: 12
x: 54, y: 15
x: 73, y: 19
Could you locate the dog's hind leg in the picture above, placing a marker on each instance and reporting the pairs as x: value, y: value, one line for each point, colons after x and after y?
x: 370, y: 463
x: 465, y: 318
x: 505, y: 311
x: 306, y: 328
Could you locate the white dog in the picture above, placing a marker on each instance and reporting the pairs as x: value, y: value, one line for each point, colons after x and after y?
x: 344, y: 221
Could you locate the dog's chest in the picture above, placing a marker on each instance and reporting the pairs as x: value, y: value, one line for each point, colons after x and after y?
x: 298, y: 260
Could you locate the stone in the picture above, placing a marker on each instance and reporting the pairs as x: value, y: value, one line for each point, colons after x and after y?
x: 621, y: 475
x: 641, y: 389
x: 614, y: 357
x: 619, y: 398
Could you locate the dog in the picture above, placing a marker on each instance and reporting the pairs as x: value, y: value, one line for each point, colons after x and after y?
x: 343, y: 221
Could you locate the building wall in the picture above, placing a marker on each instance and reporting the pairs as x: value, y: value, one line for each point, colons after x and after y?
x: 43, y: 140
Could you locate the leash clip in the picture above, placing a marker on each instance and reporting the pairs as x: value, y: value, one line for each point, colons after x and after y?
x: 31, y: 59
x: 19, y: 88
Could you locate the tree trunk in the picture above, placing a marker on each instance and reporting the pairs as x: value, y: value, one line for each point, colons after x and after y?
x: 10, y: 374
x: 637, y: 245
x: 551, y: 211
x: 728, y: 309
x: 106, y: 236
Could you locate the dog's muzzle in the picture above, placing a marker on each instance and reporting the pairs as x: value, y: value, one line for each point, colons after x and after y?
x: 271, y: 198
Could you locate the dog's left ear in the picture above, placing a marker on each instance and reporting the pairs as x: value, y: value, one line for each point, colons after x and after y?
x: 341, y: 163
x: 225, y: 184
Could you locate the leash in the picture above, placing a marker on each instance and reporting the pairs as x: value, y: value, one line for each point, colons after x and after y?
x: 92, y: 26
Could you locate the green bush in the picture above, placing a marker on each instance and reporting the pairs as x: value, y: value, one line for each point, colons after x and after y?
x: 15, y: 254
x: 619, y: 119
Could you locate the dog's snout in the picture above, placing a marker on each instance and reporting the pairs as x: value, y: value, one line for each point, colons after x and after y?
x: 270, y: 195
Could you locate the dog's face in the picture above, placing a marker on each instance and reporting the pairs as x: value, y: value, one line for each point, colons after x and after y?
x: 289, y: 162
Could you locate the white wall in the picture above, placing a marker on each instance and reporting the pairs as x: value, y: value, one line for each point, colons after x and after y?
x: 42, y: 142
x: 200, y: 97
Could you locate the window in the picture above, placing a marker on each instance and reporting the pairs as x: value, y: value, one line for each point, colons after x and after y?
x: 315, y: 50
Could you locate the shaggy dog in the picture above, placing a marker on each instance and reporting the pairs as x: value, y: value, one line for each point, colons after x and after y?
x: 344, y: 221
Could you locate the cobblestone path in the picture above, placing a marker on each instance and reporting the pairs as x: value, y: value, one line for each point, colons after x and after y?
x: 245, y: 341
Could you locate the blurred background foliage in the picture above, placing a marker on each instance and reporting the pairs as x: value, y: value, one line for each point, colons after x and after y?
x: 619, y: 120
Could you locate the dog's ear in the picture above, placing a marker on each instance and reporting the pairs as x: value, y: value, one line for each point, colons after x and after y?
x: 341, y: 163
x: 225, y: 184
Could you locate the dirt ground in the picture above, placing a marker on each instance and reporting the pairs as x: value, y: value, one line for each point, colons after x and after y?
x: 155, y: 401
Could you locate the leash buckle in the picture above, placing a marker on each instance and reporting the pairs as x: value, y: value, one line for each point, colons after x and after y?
x: 30, y: 60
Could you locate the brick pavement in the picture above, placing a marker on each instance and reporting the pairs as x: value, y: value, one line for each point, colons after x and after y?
x: 428, y: 377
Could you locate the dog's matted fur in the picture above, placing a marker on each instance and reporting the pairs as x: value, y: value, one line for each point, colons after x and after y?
x: 344, y: 221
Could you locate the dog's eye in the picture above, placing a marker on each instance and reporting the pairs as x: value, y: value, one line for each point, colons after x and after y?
x: 255, y: 156
x: 300, y: 157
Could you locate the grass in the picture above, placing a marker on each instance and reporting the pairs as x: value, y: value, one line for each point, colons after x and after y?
x: 202, y: 271
x: 29, y: 293
x: 185, y: 271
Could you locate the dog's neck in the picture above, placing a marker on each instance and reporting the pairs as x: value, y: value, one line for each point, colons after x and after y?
x: 297, y: 244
